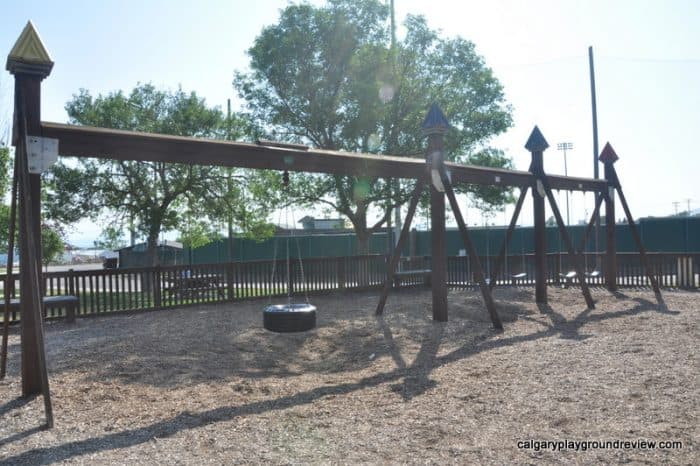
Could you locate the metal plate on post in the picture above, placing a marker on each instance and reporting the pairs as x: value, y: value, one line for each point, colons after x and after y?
x: 540, y: 189
x: 42, y: 153
x: 437, y: 181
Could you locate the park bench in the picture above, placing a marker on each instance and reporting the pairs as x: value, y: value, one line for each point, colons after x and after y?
x: 67, y: 302
x: 425, y: 274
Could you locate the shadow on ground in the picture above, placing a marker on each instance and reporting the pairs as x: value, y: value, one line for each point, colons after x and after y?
x: 359, y: 338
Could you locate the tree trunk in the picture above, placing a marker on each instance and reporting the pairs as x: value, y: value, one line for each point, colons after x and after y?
x: 230, y: 238
x: 363, y: 265
x: 362, y: 242
x: 152, y: 260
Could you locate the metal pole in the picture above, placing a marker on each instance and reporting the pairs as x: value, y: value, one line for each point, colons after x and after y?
x: 566, y: 173
x: 564, y: 146
x: 594, y: 112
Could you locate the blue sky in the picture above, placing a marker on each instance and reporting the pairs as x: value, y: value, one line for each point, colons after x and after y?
x: 647, y: 59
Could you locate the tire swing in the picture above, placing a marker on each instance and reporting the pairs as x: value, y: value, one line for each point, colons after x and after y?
x: 290, y: 316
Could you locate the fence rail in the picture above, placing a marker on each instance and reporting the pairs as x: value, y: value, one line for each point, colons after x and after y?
x: 144, y: 288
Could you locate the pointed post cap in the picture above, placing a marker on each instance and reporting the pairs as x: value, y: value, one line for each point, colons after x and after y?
x: 29, y: 54
x: 608, y: 154
x: 536, y: 142
x: 435, y: 121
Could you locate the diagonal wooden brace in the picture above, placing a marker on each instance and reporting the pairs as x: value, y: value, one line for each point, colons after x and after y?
x: 567, y: 240
x: 471, y: 250
x: 391, y: 267
x: 635, y: 232
x: 509, y: 234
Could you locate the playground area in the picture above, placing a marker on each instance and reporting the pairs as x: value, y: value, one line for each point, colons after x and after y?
x: 208, y: 384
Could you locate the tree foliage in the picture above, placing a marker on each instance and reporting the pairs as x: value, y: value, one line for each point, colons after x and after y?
x: 5, y: 186
x: 112, y: 238
x: 5, y: 170
x: 326, y: 76
x: 151, y: 196
x: 51, y: 244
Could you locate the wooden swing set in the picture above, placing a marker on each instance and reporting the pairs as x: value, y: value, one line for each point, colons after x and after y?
x: 30, y: 63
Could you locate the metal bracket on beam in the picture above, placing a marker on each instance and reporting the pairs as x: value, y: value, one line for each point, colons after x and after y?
x: 42, y: 153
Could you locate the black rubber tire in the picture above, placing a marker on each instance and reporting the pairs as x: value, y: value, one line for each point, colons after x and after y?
x: 285, y: 318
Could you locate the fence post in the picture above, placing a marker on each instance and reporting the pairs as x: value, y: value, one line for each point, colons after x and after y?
x: 230, y: 292
x: 684, y: 265
x: 341, y: 264
x: 157, y: 284
x: 71, y: 310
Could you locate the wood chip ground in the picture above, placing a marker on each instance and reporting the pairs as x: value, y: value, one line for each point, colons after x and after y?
x: 208, y: 385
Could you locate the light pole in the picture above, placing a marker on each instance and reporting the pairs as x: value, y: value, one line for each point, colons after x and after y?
x: 564, y: 146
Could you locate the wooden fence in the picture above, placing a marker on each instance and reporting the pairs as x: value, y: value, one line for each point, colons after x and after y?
x: 134, y: 289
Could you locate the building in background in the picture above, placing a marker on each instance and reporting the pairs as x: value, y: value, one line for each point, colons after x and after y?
x: 311, y: 223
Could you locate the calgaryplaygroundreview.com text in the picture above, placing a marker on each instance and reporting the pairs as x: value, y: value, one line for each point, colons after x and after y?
x: 584, y: 445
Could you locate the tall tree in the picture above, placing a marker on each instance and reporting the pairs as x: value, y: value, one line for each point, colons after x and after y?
x: 327, y: 76
x: 148, y: 195
x: 51, y: 245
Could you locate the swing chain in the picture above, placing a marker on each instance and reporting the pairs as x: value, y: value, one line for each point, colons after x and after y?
x: 285, y: 184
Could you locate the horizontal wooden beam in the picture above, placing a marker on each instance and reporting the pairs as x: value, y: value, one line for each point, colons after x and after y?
x: 85, y: 141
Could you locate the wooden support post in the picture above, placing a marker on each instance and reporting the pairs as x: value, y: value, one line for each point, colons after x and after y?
x: 393, y: 262
x: 608, y: 157
x: 471, y: 250
x: 30, y: 64
x: 435, y: 127
x: 29, y: 88
x: 509, y: 234
x: 537, y: 144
